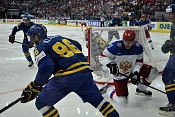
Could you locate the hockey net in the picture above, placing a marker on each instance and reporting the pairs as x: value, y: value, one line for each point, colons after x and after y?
x: 97, y: 42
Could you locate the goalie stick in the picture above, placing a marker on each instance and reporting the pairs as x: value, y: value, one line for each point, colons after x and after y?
x: 10, y: 105
x: 145, y: 84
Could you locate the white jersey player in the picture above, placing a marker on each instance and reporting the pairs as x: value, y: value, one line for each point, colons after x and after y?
x: 126, y: 56
x: 83, y: 22
x: 146, y: 23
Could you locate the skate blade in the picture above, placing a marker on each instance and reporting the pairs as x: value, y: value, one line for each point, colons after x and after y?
x: 142, y: 94
x: 168, y: 114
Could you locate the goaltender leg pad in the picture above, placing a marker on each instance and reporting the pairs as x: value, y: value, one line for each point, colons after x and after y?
x: 121, y: 87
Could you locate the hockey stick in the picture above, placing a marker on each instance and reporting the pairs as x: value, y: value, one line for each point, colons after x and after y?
x: 10, y: 105
x: 145, y: 84
x: 22, y: 43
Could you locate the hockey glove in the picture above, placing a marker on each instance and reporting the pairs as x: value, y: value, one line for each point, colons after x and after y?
x: 30, y: 92
x: 31, y: 44
x: 135, y: 78
x: 167, y: 46
x: 164, y: 49
x: 113, y: 68
x: 11, y: 38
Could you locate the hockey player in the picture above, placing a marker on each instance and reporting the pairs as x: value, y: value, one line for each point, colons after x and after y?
x: 24, y: 26
x: 126, y: 55
x: 132, y: 20
x: 63, y: 58
x: 116, y: 21
x: 168, y: 75
x: 146, y: 23
x: 83, y: 22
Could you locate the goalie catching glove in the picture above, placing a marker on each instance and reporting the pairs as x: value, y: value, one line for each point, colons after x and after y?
x: 30, y: 92
x: 11, y: 38
x: 135, y: 78
x: 113, y: 68
x: 167, y: 46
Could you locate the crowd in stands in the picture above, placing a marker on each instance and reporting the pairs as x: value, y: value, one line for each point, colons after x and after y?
x: 74, y: 9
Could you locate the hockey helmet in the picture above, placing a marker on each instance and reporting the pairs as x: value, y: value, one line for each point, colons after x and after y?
x: 170, y: 8
x: 39, y: 30
x: 131, y: 14
x: 143, y: 16
x: 26, y: 17
x: 129, y: 35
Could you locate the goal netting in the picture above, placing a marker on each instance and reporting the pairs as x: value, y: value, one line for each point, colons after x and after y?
x: 98, y: 41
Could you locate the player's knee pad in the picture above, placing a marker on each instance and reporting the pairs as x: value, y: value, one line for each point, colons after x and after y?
x: 153, y: 74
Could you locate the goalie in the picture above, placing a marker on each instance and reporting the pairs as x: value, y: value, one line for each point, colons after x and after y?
x: 97, y: 46
x: 126, y: 56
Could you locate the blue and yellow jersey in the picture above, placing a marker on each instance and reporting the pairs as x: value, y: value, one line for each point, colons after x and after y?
x: 59, y: 56
x: 134, y: 22
x: 23, y: 27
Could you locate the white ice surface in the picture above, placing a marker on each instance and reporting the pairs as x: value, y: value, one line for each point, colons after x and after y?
x: 15, y: 75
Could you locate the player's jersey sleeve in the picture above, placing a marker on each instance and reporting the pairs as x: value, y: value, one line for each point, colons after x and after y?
x: 139, y: 60
x: 17, y: 28
x: 109, y: 54
x: 134, y: 22
x: 45, y: 66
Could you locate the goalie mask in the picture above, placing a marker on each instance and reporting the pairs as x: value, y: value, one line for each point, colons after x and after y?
x: 170, y: 10
x: 37, y: 32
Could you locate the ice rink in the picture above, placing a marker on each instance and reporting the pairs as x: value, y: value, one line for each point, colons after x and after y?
x: 15, y: 75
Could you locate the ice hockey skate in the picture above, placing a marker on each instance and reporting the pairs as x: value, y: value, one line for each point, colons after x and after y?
x: 168, y: 110
x: 143, y: 93
x: 104, y: 89
x: 31, y: 64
